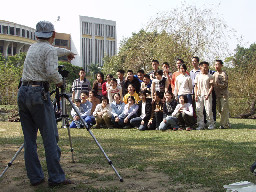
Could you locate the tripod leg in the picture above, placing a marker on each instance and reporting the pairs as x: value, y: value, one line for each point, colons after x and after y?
x: 70, y: 143
x: 14, y: 157
x: 88, y: 129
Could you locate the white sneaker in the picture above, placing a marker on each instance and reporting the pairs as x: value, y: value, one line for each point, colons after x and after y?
x: 211, y: 126
x: 199, y: 128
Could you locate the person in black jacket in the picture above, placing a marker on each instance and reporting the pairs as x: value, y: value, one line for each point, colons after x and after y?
x: 144, y: 112
x: 130, y: 79
x: 168, y: 108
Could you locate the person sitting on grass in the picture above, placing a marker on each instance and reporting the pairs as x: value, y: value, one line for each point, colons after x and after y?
x: 184, y: 114
x: 168, y: 108
x: 129, y: 112
x: 102, y: 113
x: 117, y: 107
x: 157, y: 111
x: 131, y: 92
x: 76, y: 123
x: 94, y: 100
x: 85, y: 112
x: 144, y: 112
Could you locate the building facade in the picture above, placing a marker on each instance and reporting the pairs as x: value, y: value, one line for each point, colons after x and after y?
x: 15, y: 38
x: 97, y: 40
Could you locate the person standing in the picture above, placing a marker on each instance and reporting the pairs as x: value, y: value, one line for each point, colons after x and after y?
x: 79, y: 85
x: 221, y: 90
x: 203, y: 96
x: 35, y: 107
x: 155, y: 65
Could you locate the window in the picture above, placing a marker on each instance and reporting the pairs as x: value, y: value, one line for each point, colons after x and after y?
x: 87, y: 28
x: 27, y: 34
x: 9, y: 50
x: 61, y: 42
x: 18, y: 31
x: 11, y: 30
x: 110, y: 31
x: 14, y: 50
x: 1, y: 49
x: 23, y: 32
x: 0, y: 28
x: 99, y: 30
x: 5, y: 29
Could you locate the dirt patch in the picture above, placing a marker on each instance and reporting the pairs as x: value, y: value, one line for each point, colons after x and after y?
x: 88, y: 177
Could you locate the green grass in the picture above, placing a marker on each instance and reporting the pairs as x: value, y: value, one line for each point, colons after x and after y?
x: 211, y: 158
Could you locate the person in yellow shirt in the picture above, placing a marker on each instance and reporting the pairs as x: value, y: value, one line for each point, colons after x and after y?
x: 131, y: 92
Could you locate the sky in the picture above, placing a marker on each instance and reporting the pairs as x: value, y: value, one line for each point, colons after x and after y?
x: 130, y: 15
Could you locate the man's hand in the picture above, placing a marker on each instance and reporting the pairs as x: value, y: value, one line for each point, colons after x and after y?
x: 126, y: 120
x: 71, y: 56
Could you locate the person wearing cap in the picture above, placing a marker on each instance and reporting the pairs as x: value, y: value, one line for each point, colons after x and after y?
x: 35, y: 107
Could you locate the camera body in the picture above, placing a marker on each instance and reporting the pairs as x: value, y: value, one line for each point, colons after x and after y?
x: 62, y: 71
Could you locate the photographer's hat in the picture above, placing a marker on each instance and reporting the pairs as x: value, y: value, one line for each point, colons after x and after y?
x: 44, y: 29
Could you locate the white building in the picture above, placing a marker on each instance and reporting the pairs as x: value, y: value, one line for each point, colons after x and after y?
x: 91, y: 39
x: 97, y: 40
x: 15, y: 38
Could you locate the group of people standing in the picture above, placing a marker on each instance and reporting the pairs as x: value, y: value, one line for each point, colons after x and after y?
x: 158, y: 100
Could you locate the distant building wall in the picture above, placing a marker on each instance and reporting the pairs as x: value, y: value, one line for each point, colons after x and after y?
x: 15, y: 38
x: 97, y: 40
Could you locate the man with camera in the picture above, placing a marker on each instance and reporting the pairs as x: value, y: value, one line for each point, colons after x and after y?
x: 35, y: 107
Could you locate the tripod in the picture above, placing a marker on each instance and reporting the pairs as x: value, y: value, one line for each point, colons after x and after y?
x: 64, y: 118
x: 63, y: 95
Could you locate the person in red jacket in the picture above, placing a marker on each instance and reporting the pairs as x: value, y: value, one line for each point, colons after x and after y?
x: 106, y: 85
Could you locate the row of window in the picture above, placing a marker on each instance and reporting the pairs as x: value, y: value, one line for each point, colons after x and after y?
x: 100, y: 29
x: 61, y: 42
x: 17, y: 31
x: 96, y: 55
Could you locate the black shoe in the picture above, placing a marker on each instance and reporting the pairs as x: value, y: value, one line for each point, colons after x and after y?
x: 253, y: 167
x: 65, y: 182
x: 38, y: 183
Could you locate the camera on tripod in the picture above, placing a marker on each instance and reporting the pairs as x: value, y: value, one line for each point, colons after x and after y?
x: 62, y: 71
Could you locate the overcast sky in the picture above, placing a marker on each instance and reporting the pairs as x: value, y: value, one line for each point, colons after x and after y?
x: 130, y: 15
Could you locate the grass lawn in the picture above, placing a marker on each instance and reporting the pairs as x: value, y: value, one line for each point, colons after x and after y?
x: 206, y: 159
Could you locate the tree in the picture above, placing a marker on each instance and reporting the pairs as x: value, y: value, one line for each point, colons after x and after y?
x: 182, y: 32
x: 243, y: 79
x: 138, y: 51
x: 199, y: 29
x: 11, y: 70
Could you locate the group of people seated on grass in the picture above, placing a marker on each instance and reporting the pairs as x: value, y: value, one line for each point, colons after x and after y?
x: 159, y: 100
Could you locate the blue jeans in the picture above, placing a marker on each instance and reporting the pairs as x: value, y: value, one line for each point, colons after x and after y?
x: 90, y: 120
x: 36, y: 113
x: 121, y: 121
x: 136, y: 122
x: 171, y: 122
